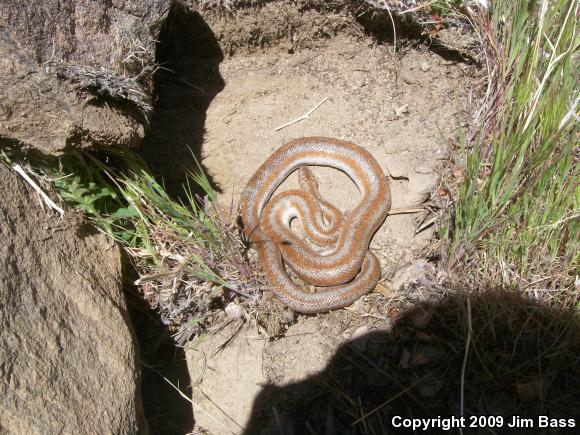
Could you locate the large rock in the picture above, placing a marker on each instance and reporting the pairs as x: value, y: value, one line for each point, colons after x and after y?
x: 67, y: 356
x: 38, y: 110
x: 76, y: 73
x: 92, y: 32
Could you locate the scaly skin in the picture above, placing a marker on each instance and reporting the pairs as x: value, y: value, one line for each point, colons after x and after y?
x: 348, y: 271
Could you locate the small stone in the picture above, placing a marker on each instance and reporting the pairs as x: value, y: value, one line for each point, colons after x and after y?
x: 409, y: 78
x: 401, y: 111
x: 419, y: 272
x: 233, y: 310
x: 424, y: 67
x: 300, y: 59
x: 422, y: 169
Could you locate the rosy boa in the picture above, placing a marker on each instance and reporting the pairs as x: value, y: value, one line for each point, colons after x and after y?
x: 343, y: 268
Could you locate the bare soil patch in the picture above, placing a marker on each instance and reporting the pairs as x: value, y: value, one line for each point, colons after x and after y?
x: 405, y: 108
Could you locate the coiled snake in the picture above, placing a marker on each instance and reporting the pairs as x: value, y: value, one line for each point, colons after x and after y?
x: 342, y: 268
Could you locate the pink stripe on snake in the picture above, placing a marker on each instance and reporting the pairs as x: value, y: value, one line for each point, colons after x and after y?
x: 345, y: 269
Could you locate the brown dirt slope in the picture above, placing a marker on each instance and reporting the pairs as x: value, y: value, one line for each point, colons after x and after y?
x: 76, y: 73
x: 404, y: 108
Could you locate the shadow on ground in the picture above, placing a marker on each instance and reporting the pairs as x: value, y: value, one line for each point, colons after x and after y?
x: 523, y: 360
x: 166, y: 411
x: 384, y: 27
x: 161, y: 362
x: 186, y: 82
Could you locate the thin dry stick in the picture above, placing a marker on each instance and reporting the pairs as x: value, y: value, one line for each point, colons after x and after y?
x: 278, y: 421
x: 306, y: 115
x: 160, y: 275
x: 418, y: 7
x: 399, y: 394
x: 427, y: 223
x: 49, y: 202
x: 182, y: 394
x: 394, y: 31
x: 405, y: 210
x: 467, y: 343
x: 221, y: 410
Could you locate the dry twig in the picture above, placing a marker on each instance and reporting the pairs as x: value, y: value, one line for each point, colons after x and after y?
x: 49, y: 202
x: 464, y: 366
x: 305, y: 116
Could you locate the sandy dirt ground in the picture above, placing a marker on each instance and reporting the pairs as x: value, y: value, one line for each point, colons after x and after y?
x: 403, y: 108
x: 404, y: 112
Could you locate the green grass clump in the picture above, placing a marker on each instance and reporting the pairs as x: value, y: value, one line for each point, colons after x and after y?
x: 446, y: 7
x: 520, y: 203
x: 188, y: 255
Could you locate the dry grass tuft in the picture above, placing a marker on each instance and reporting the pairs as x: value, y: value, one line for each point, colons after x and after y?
x: 516, y: 220
x: 191, y: 263
x: 491, y: 354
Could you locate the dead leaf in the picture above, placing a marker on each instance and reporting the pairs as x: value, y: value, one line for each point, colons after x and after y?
x: 528, y: 391
x: 419, y: 359
x: 385, y: 289
x: 421, y: 318
x: 442, y: 192
x: 435, y: 31
x: 394, y: 313
x: 423, y: 336
x: 458, y: 171
x: 405, y: 358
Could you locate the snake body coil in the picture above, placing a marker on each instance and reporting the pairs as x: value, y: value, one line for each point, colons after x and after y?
x: 343, y: 268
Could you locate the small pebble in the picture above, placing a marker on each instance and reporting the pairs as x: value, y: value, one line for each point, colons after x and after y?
x: 300, y: 59
x: 233, y: 310
x: 424, y: 67
x: 409, y: 78
x: 422, y: 169
x: 401, y: 110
